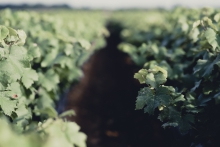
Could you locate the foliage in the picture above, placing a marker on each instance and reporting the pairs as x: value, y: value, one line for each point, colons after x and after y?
x: 179, y: 48
x: 51, y: 133
x: 178, y: 51
x: 39, y: 65
x: 17, y: 78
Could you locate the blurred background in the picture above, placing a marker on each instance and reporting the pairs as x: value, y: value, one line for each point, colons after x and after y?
x: 116, y: 4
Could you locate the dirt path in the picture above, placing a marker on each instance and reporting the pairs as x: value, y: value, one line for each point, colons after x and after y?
x: 104, y: 101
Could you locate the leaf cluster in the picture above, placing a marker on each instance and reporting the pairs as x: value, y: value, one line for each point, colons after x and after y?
x: 185, y: 43
x: 37, y: 65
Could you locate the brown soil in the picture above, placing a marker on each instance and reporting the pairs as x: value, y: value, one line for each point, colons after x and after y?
x: 104, y: 101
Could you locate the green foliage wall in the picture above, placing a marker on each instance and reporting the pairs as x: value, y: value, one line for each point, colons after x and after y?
x: 178, y: 51
x: 36, y: 66
x: 41, y: 54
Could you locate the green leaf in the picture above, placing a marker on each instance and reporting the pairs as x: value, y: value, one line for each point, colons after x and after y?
x: 15, y: 63
x: 184, y: 123
x: 49, y: 80
x: 141, y: 75
x: 171, y: 114
x: 204, y: 67
x: 49, y: 111
x: 152, y: 99
x: 33, y: 52
x: 210, y: 35
x: 15, y: 87
x: 23, y: 112
x: 22, y: 35
x: 154, y: 77
x: 217, y: 17
x: 29, y: 77
x: 49, y: 58
x: 170, y: 124
x: 10, y: 94
x: 75, y: 137
x: 12, y: 36
x: 157, y: 69
x: 12, y: 32
x: 150, y: 79
x: 197, y: 84
x: 7, y: 105
x: 191, y: 103
x: 4, y: 80
x: 64, y: 61
x: 85, y: 44
x: 3, y: 32
x: 179, y: 98
x: 68, y: 49
x: 196, y: 24
x: 143, y: 94
x: 202, y: 100
x: 61, y: 133
x: 160, y: 78
x: 44, y: 105
x: 67, y: 113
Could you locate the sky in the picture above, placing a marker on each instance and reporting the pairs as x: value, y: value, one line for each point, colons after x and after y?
x: 120, y: 3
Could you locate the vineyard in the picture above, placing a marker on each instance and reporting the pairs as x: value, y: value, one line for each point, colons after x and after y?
x: 131, y: 78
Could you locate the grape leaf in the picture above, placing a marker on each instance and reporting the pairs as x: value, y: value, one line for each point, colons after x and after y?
x: 4, y: 80
x: 49, y: 80
x: 15, y: 63
x: 3, y: 32
x: 73, y: 134
x: 49, y: 58
x: 67, y: 113
x: 16, y: 88
x: 210, y: 35
x: 64, y: 62
x: 23, y: 114
x: 22, y: 35
x: 197, y: 84
x: 45, y: 105
x: 196, y: 24
x: 204, y: 67
x: 85, y: 44
x: 184, y: 123
x: 7, y: 105
x: 29, y: 77
x: 154, y: 77
x: 12, y: 37
x: 49, y: 111
x: 152, y: 99
x: 141, y: 75
x: 33, y: 52
x: 63, y: 134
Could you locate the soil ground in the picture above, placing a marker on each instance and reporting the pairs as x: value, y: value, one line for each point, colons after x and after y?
x: 104, y: 101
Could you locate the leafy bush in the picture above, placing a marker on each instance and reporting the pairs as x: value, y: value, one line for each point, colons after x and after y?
x: 180, y: 49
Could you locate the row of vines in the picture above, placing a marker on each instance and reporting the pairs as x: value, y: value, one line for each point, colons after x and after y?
x: 41, y: 55
x: 178, y: 52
